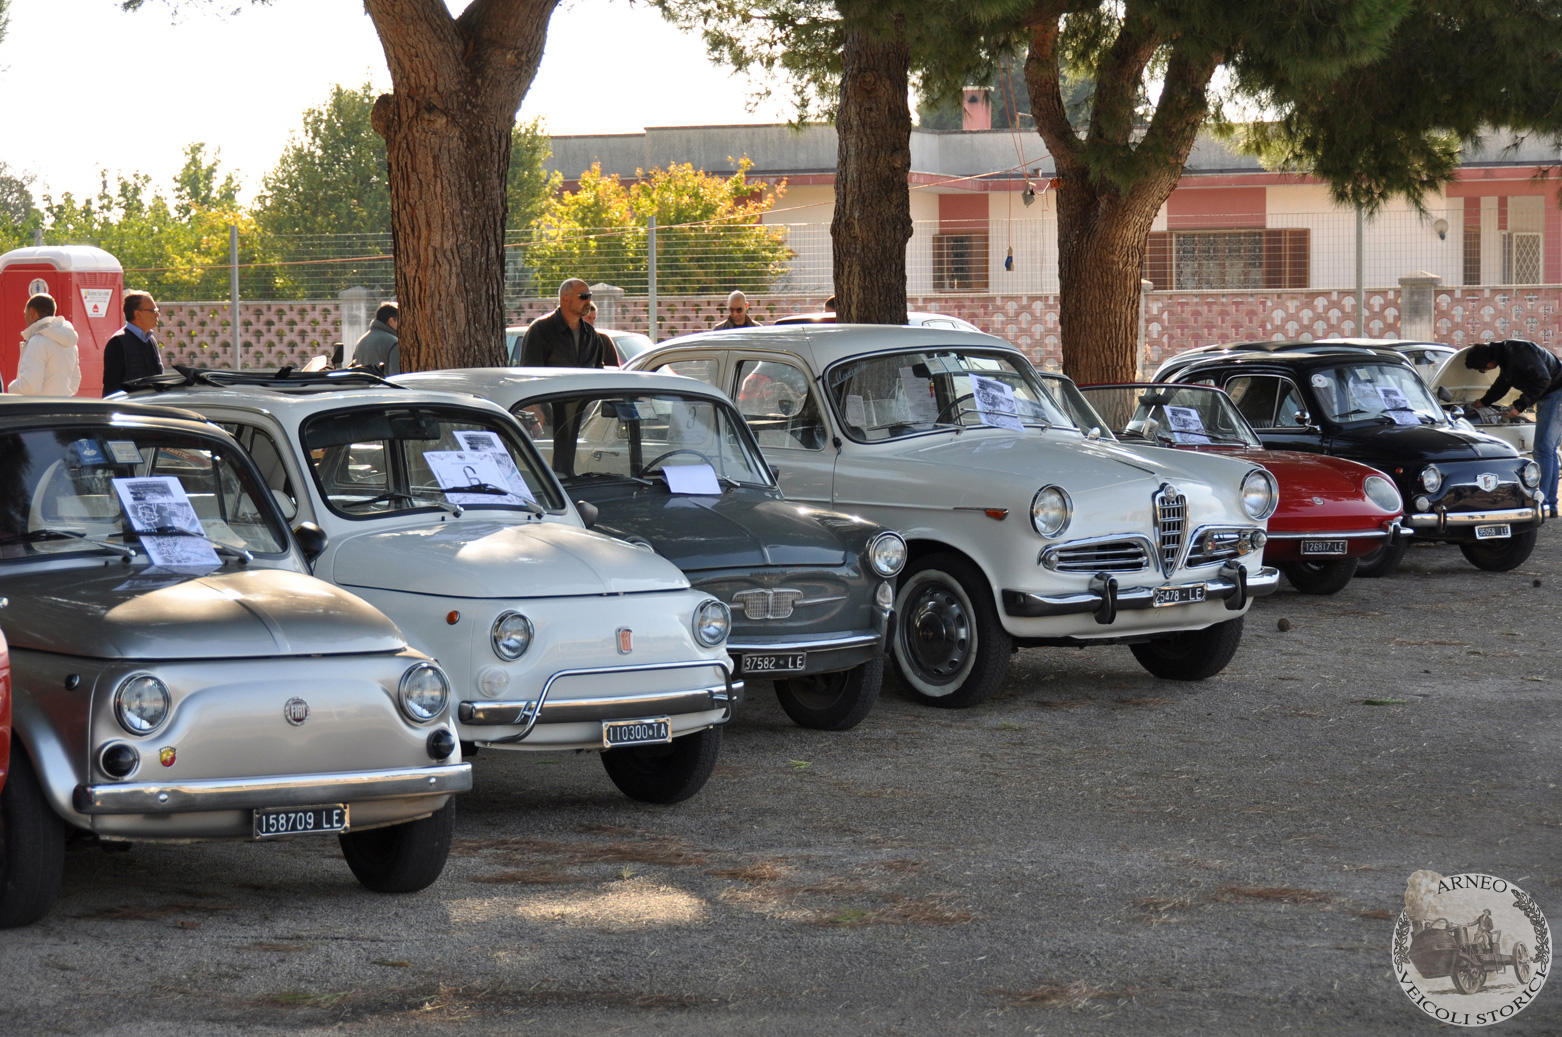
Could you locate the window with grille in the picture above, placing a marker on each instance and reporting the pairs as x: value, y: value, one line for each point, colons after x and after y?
x: 1228, y: 260
x: 1520, y: 257
x: 960, y: 262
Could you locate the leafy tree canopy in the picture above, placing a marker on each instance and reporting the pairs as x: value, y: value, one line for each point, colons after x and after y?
x: 709, y: 238
x: 19, y: 213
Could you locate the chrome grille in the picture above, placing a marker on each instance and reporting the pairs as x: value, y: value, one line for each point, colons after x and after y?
x: 761, y: 603
x: 1111, y: 556
x: 1217, y: 546
x: 1171, y: 525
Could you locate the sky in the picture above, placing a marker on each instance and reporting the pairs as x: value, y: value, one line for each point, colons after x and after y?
x: 85, y: 86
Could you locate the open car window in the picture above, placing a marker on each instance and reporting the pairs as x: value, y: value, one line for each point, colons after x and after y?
x: 888, y: 396
x: 634, y: 436
x: 369, y: 462
x: 1172, y: 415
x: 65, y: 492
x: 779, y: 405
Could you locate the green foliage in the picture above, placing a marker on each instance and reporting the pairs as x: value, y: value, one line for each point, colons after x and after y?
x: 709, y: 238
x: 529, y: 185
x: 196, y: 185
x: 331, y: 178
x: 19, y: 214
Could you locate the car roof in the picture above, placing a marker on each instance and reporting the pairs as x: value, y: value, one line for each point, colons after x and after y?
x: 821, y: 345
x: 493, y: 382
x: 1295, y: 353
x: 297, y: 397
x: 31, y: 411
x: 914, y: 319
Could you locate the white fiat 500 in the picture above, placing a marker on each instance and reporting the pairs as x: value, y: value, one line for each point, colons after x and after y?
x: 436, y: 508
x: 1022, y: 530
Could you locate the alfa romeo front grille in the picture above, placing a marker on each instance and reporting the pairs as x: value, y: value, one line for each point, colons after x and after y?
x: 1171, y: 525
x: 1110, y: 556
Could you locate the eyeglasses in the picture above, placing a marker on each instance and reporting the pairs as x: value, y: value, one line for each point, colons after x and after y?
x: 152, y: 309
x: 734, y: 309
x: 583, y: 296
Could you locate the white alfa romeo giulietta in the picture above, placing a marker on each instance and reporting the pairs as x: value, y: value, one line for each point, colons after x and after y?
x: 1022, y: 529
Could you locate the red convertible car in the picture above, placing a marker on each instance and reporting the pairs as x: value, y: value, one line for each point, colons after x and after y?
x: 1332, y: 511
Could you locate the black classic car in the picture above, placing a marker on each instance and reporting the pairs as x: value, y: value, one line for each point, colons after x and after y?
x: 669, y: 463
x: 1367, y: 404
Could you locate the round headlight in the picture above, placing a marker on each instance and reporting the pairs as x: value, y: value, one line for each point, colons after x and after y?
x: 1050, y: 511
x: 1260, y: 496
x: 887, y: 553
x: 423, y: 692
x: 141, y: 704
x: 712, y: 621
x: 1431, y: 478
x: 511, y: 635
x: 1382, y: 492
x: 1529, y: 475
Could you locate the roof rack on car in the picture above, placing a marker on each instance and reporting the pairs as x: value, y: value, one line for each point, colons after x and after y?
x: 286, y: 377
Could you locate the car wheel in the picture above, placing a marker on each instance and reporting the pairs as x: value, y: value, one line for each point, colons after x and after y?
x: 1498, y: 556
x: 832, y: 701
x: 1382, y: 560
x: 1191, y: 655
x: 949, y: 646
x: 668, y: 773
x: 32, y: 846
x: 1320, y: 577
x: 401, y: 858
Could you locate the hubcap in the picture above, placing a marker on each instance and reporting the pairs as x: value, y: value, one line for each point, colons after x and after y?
x: 938, y: 633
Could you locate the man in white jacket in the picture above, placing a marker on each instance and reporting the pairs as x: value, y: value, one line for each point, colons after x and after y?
x: 50, y: 364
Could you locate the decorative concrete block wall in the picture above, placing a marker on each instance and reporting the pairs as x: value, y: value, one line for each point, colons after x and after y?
x: 272, y: 333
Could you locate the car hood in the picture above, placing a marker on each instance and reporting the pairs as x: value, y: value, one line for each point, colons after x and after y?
x: 124, y: 613
x: 1380, y: 445
x: 1085, y: 466
x: 478, y: 559
x: 740, y: 529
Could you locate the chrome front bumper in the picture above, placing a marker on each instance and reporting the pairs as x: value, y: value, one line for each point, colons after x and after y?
x: 1439, y: 520
x: 529, y: 712
x: 1106, y: 599
x: 291, y: 790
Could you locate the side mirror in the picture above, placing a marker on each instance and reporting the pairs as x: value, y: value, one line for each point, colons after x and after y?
x: 1094, y: 433
x: 311, y: 540
x: 588, y: 512
x: 1303, y: 418
x: 1456, y: 413
x: 1443, y: 395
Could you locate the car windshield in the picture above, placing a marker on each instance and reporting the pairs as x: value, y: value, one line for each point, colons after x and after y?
x: 900, y: 394
x: 91, y: 490
x: 602, y: 435
x: 1367, y: 391
x: 630, y: 344
x: 1172, y: 415
x: 370, y: 461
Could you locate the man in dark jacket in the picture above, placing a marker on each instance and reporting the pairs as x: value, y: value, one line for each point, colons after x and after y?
x: 133, y: 352
x: 737, y: 314
x: 378, y: 348
x: 564, y: 338
x: 1537, y: 374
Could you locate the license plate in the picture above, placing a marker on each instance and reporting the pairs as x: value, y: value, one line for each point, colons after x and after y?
x: 271, y: 822
x: 1188, y: 595
x: 651, y: 731
x: 1495, y: 532
x: 784, y: 662
x: 1323, y: 547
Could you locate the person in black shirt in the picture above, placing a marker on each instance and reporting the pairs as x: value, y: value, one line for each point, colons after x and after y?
x: 133, y: 352
x: 1537, y: 374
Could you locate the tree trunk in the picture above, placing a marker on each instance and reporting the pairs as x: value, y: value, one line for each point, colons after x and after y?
x: 872, y: 221
x: 1100, y: 260
x: 456, y: 85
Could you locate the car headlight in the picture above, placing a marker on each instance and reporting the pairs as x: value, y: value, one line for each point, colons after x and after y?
x: 423, y: 692
x: 712, y: 622
x: 510, y: 635
x: 887, y: 553
x: 141, y: 704
x: 1431, y: 478
x: 1529, y: 475
x: 1050, y: 511
x: 1260, y: 495
x: 1382, y: 492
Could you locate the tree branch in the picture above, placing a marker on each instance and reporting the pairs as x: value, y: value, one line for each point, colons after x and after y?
x: 1121, y: 74
x: 1046, y: 91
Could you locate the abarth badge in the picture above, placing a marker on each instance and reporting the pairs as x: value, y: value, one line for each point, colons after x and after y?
x: 296, y: 711
x: 166, y: 755
x: 626, y: 640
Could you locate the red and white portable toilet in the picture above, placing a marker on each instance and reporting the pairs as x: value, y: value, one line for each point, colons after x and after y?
x: 87, y: 284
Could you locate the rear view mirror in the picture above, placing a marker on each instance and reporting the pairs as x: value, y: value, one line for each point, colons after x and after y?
x: 1303, y: 418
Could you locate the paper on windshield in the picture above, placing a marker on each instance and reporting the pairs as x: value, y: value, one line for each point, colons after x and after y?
x: 1186, y: 425
x: 491, y: 444
x: 995, y: 402
x: 856, y: 413
x: 156, y: 502
x: 1397, y: 405
x: 920, y: 403
x: 683, y: 424
x: 453, y: 469
x: 697, y: 479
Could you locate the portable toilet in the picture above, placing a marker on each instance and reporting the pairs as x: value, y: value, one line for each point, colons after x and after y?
x: 87, y: 284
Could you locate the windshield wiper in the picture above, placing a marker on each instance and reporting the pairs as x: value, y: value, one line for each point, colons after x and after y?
x: 493, y: 491
x: 174, y: 531
x: 34, y: 535
x: 383, y: 498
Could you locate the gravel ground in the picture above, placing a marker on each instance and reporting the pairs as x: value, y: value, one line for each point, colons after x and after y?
x: 1092, y: 852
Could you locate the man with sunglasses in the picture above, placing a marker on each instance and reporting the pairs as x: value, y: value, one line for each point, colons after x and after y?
x: 737, y: 314
x: 564, y: 338
x: 133, y: 352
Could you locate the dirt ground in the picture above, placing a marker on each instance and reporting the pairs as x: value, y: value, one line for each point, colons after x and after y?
x: 1093, y: 852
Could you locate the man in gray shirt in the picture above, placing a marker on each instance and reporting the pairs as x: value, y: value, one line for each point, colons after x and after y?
x: 377, y: 349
